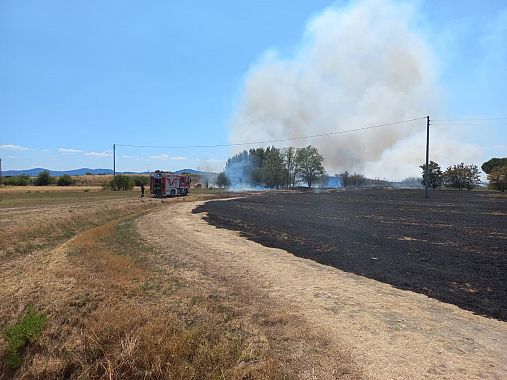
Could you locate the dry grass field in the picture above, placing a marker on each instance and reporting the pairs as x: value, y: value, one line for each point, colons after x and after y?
x: 83, y: 295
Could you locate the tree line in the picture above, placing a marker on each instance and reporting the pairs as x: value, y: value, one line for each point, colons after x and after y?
x: 466, y: 177
x: 42, y: 179
x: 273, y: 168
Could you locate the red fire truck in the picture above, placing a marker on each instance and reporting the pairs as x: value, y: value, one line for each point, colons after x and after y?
x: 166, y: 184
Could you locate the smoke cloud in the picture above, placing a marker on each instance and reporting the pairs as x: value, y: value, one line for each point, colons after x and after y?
x: 360, y: 65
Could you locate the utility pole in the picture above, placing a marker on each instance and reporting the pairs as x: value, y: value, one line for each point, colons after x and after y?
x: 114, y: 167
x: 426, y: 171
x: 1, y: 177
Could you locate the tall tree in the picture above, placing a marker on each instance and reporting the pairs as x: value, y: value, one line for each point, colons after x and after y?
x: 498, y: 178
x: 256, y: 158
x: 291, y: 168
x: 490, y: 165
x: 43, y: 179
x: 472, y: 176
x: 310, y: 164
x: 435, y: 175
x: 273, y: 168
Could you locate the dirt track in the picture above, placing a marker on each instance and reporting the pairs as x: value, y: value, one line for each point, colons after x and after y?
x: 451, y: 247
x: 387, y: 332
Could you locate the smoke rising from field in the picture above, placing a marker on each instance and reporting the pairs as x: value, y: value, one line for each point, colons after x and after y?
x: 356, y: 66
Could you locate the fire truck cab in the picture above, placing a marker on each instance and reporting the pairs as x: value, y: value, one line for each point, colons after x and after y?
x: 166, y: 184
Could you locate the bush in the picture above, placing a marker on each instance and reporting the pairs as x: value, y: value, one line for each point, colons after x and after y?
x: 65, y: 180
x: 352, y: 179
x: 44, y: 179
x: 141, y: 179
x: 26, y: 330
x: 121, y: 182
x: 20, y: 180
x: 222, y: 180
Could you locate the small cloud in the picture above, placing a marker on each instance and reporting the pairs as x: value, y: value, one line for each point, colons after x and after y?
x: 160, y: 157
x: 165, y: 157
x: 69, y: 150
x: 12, y: 147
x: 98, y: 154
x: 210, y: 160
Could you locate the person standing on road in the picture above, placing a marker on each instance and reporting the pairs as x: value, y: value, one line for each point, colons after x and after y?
x: 142, y: 190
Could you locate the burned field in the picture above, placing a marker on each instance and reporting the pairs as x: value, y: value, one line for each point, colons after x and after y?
x: 451, y: 247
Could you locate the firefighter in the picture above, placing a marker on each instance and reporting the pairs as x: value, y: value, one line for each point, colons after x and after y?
x: 142, y: 189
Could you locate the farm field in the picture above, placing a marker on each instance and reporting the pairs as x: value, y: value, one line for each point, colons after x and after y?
x: 451, y: 247
x: 131, y: 287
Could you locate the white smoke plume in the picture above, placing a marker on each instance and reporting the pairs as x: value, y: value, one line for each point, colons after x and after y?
x: 356, y: 66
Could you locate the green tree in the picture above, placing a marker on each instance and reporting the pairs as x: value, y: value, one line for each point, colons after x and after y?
x: 435, y: 175
x: 310, y: 164
x: 141, y: 180
x: 290, y: 166
x: 462, y: 176
x: 43, y: 179
x: 120, y: 182
x: 472, y: 176
x: 65, y: 180
x: 222, y: 180
x: 498, y: 178
x: 490, y: 165
x: 273, y: 168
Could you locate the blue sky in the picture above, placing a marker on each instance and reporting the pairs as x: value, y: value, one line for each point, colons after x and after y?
x: 76, y: 77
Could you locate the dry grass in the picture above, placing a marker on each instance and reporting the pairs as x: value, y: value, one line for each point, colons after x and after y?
x: 32, y: 222
x: 112, y: 314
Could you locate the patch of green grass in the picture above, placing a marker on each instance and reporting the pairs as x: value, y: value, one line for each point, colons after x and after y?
x: 69, y: 233
x: 26, y: 330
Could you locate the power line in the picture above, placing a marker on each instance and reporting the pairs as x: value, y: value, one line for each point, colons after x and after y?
x: 276, y: 140
x: 474, y: 124
x: 470, y: 120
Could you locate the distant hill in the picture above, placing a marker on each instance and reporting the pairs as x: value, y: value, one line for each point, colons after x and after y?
x: 57, y: 173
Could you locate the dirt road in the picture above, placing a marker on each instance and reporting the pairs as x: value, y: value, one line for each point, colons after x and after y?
x: 387, y: 332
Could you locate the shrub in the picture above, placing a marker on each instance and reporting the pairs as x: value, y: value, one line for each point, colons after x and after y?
x: 44, y: 179
x: 141, y: 179
x: 20, y: 180
x: 121, y: 182
x: 65, y: 180
x: 26, y: 330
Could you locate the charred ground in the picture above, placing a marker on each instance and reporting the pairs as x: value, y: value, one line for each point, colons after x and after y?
x: 451, y: 247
